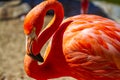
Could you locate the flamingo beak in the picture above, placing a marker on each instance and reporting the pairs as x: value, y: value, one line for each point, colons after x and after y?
x: 29, y: 41
x: 36, y: 57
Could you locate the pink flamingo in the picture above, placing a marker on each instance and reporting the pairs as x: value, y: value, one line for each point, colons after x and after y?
x: 86, y: 47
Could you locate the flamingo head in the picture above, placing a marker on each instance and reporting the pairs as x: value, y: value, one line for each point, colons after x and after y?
x: 32, y: 29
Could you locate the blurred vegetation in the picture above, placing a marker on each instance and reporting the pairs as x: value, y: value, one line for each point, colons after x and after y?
x: 111, y: 1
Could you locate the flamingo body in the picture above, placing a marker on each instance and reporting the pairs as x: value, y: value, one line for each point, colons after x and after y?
x: 86, y: 47
x: 91, y: 45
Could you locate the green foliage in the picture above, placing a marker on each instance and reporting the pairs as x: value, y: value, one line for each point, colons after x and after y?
x: 111, y: 1
x: 114, y: 1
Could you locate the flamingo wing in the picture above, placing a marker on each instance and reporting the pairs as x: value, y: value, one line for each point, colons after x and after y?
x: 91, y: 46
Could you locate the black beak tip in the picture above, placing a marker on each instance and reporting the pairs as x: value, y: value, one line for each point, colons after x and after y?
x: 37, y: 57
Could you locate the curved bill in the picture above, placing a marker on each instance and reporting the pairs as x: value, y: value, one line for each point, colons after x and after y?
x: 37, y: 57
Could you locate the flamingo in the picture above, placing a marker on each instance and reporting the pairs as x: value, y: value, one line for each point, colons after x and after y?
x: 85, y: 46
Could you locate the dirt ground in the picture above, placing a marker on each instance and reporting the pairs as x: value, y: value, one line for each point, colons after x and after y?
x: 12, y: 50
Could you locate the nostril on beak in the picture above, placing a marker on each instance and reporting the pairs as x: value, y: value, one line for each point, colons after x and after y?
x: 37, y: 57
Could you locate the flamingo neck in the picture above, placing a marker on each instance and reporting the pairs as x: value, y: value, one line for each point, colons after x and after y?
x: 44, y: 35
x: 84, y: 6
x: 51, y: 68
x: 55, y: 64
